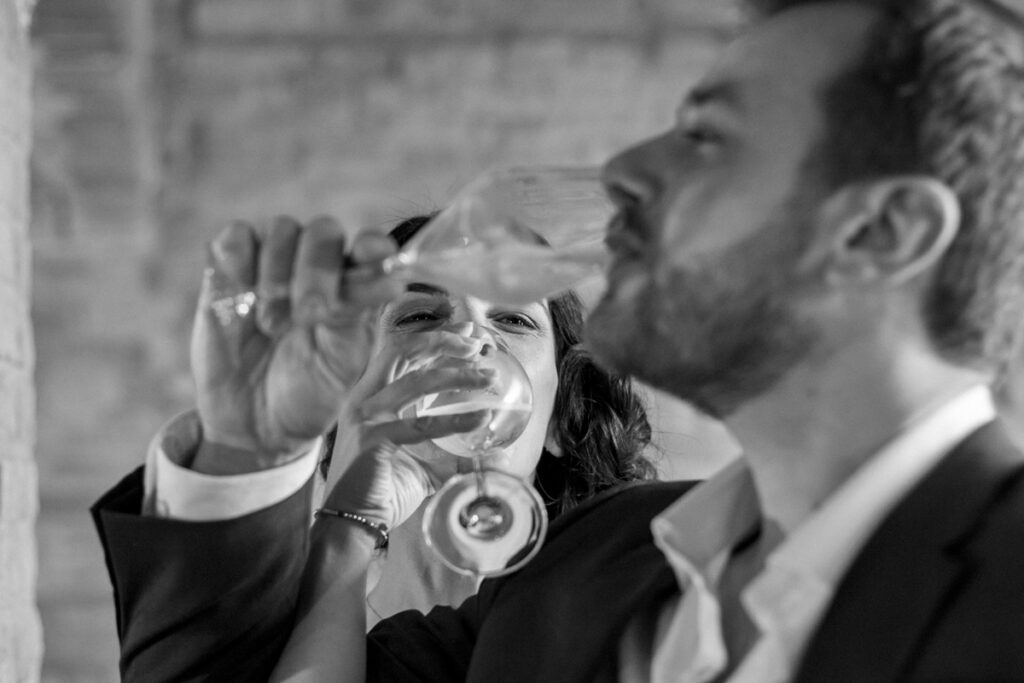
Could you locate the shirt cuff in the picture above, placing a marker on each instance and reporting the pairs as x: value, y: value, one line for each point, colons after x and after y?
x: 173, y: 490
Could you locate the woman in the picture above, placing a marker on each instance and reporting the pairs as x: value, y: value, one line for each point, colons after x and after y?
x: 588, y: 432
x: 284, y: 333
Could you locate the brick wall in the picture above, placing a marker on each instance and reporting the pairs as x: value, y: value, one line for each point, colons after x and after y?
x: 101, y: 393
x: 20, y: 634
x: 158, y: 120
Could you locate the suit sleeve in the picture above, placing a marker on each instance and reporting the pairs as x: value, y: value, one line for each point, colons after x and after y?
x: 202, y: 600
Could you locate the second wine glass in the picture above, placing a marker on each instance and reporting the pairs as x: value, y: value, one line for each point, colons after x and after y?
x: 486, y: 522
x: 514, y: 236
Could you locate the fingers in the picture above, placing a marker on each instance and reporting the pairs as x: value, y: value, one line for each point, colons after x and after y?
x: 413, y: 351
x: 276, y: 265
x: 224, y: 297
x: 223, y: 321
x: 364, y: 282
x: 392, y: 398
x: 370, y: 246
x: 327, y: 280
x: 306, y: 277
x: 318, y: 266
x: 233, y: 253
x: 416, y: 430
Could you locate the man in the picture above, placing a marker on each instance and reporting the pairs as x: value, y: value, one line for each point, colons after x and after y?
x: 824, y: 251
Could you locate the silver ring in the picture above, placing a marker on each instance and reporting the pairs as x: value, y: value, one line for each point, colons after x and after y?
x: 236, y: 307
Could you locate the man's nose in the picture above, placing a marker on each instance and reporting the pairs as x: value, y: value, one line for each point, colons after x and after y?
x: 630, y: 177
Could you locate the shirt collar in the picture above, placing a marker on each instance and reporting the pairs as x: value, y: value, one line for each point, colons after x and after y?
x: 725, y: 509
x: 709, y: 520
x: 826, y: 542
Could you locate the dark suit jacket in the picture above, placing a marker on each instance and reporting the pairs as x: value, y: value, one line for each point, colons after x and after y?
x: 936, y: 594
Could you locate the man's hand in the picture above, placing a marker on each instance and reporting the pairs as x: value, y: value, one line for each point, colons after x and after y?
x: 284, y: 327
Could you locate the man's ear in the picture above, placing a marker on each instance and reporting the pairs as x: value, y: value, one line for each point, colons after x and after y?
x: 890, y: 230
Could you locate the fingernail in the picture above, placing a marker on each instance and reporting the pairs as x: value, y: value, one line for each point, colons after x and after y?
x: 237, y: 234
x: 220, y: 250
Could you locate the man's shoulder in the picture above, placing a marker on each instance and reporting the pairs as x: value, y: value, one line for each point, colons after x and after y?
x: 973, y: 499
x: 649, y: 493
x: 982, y: 482
x: 1002, y: 528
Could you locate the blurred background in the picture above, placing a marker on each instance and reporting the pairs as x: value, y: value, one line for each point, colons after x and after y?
x: 156, y: 121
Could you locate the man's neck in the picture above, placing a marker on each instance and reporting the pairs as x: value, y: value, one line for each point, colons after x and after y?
x: 819, y: 425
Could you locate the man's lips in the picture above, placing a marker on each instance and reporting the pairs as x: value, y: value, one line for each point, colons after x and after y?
x: 624, y: 245
x: 627, y: 248
x: 623, y: 238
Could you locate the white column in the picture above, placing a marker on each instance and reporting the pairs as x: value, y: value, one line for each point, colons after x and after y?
x: 21, y: 642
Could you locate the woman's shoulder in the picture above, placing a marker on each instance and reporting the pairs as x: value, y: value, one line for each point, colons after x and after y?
x: 645, y: 493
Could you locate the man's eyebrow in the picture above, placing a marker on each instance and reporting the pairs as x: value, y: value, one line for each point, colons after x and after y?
x: 424, y: 288
x: 717, y: 94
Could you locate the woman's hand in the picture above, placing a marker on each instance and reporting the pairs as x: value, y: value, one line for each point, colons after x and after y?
x: 283, y: 328
x: 373, y: 472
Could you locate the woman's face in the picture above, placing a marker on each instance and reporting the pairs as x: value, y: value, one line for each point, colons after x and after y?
x: 525, y: 331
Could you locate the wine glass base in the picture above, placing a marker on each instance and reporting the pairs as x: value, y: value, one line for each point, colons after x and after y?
x: 487, y: 535
x: 486, y: 518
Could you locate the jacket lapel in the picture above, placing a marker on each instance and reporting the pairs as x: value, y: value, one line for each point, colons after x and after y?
x: 895, y: 591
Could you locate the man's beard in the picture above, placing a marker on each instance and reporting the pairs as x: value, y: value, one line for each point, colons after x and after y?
x: 715, y: 334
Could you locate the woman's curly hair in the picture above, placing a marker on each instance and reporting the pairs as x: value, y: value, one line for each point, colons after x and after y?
x: 599, y: 421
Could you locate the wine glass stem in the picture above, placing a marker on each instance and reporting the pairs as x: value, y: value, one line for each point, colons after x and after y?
x: 478, y: 472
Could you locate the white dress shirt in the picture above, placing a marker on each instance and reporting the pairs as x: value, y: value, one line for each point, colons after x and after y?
x: 788, y: 598
x: 173, y: 490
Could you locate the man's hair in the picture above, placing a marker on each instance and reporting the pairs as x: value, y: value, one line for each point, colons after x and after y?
x: 940, y: 91
x: 598, y: 419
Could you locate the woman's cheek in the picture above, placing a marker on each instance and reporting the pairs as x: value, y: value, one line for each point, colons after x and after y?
x: 527, y: 450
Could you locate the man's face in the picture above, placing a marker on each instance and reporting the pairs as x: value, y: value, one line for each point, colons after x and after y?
x: 710, y: 291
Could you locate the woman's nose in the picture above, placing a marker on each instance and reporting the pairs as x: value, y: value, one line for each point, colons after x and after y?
x: 463, y: 329
x: 473, y: 330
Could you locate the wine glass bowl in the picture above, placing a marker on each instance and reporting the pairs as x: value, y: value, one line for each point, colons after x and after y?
x: 513, y: 236
x: 487, y: 522
x: 508, y: 403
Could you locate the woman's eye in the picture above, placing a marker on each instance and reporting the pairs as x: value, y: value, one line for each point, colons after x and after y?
x: 417, y: 317
x: 516, y: 320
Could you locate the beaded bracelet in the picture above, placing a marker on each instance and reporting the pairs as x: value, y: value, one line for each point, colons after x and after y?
x: 381, y: 530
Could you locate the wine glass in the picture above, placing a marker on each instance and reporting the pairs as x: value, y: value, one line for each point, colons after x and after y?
x: 513, y: 236
x: 487, y: 522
